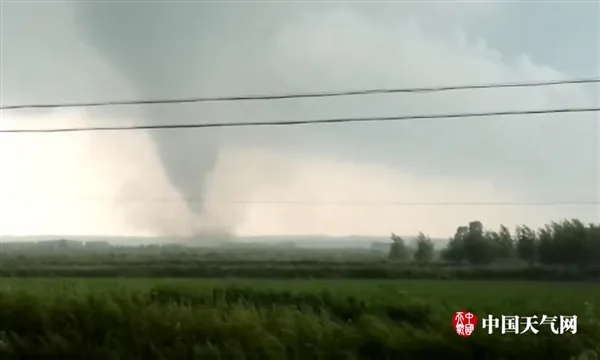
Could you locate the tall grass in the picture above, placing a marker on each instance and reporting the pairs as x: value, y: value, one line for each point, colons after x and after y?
x: 237, y: 322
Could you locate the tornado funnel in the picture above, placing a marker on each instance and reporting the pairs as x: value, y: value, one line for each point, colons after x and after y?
x: 154, y: 46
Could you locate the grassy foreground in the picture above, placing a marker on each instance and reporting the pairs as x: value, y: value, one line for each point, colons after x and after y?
x: 271, y: 319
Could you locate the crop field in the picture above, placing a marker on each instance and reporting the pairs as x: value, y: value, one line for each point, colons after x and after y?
x: 281, y: 319
x: 270, y: 264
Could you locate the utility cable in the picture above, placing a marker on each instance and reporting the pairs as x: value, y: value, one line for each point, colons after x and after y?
x: 305, y: 95
x: 306, y: 122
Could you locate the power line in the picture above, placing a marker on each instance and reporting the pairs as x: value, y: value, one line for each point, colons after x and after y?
x: 304, y: 95
x: 306, y: 122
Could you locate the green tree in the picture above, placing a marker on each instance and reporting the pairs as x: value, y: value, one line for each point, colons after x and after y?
x: 569, y: 242
x: 455, y: 250
x: 424, y: 249
x: 580, y: 249
x: 479, y: 249
x: 526, y: 244
x: 398, y: 250
x: 548, y: 251
x: 505, y: 244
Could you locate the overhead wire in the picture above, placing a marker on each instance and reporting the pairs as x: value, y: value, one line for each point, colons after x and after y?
x: 306, y: 95
x: 303, y: 122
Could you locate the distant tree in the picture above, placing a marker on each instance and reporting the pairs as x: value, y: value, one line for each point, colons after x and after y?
x: 503, y: 243
x: 548, y: 252
x: 494, y: 238
x: 568, y: 242
x: 593, y: 236
x: 461, y: 232
x: 424, y: 249
x: 581, y: 248
x: 479, y: 249
x: 398, y: 250
x: 526, y: 244
x: 455, y: 250
x: 572, y: 243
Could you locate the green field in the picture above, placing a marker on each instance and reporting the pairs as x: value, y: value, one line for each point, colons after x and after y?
x: 271, y: 264
x: 277, y: 319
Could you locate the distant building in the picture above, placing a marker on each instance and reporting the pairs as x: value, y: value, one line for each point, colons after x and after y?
x: 475, y: 227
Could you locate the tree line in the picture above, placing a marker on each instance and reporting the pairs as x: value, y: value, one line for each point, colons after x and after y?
x: 569, y: 242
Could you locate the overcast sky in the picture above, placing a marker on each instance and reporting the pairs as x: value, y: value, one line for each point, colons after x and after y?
x: 153, y: 183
